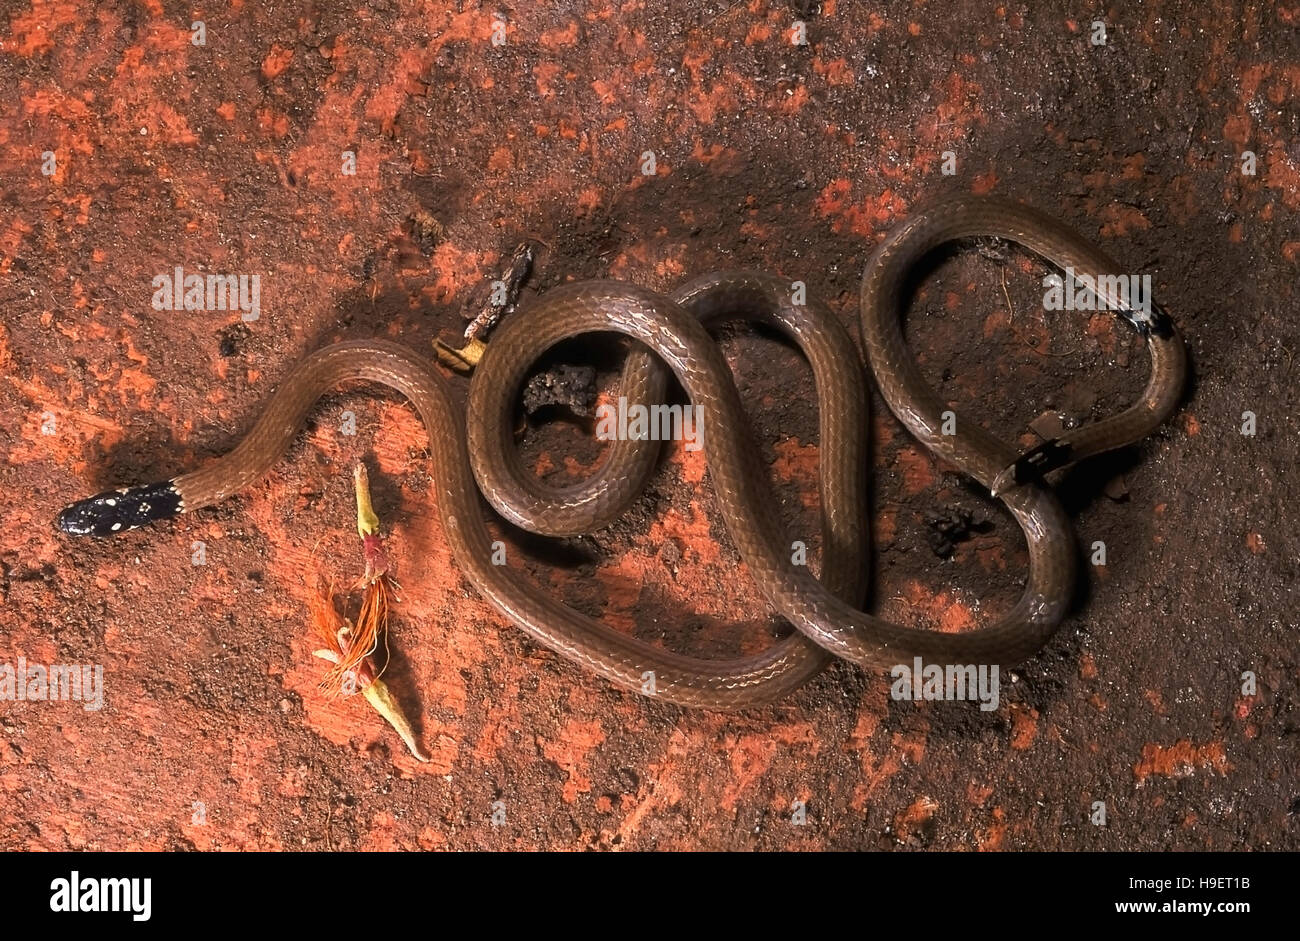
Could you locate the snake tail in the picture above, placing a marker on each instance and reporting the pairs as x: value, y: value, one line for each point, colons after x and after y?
x: 117, y: 511
x: 1034, y: 464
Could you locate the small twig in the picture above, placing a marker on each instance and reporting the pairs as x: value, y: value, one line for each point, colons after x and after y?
x: 1011, y: 311
x: 467, y: 357
x: 521, y: 265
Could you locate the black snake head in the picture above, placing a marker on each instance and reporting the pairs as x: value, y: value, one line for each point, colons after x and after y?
x: 116, y: 511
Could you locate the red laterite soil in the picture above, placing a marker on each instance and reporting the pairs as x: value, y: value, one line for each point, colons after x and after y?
x: 797, y: 159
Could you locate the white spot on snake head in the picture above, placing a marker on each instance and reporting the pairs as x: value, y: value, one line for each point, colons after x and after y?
x: 110, y: 502
x: 116, y: 527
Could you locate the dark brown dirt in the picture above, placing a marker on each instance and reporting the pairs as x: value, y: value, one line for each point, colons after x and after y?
x: 794, y: 159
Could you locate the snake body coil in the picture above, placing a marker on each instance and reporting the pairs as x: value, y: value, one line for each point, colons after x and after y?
x: 826, y: 613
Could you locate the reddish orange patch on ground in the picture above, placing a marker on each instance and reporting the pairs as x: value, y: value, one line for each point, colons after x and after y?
x: 570, y: 751
x: 917, y: 468
x: 940, y: 610
x: 1024, y: 726
x: 1180, y: 760
x: 917, y: 814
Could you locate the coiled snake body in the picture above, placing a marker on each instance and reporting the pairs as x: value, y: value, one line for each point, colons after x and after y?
x: 673, y: 330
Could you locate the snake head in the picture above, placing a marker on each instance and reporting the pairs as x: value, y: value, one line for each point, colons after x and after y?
x: 116, y: 511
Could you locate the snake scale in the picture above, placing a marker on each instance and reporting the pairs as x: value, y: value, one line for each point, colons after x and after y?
x: 474, y: 455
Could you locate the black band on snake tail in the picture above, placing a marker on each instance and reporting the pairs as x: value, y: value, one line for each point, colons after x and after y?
x: 117, y: 511
x: 1034, y: 464
x: 1157, y: 322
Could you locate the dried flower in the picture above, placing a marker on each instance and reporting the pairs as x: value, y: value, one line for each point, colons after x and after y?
x: 350, y: 647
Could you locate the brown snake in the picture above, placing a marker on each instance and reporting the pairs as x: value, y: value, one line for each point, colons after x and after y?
x: 673, y: 331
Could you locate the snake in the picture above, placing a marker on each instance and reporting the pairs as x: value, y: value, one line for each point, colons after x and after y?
x: 474, y: 456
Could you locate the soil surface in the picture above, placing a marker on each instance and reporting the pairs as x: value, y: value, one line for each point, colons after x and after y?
x: 230, y: 157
